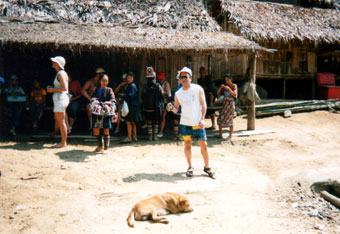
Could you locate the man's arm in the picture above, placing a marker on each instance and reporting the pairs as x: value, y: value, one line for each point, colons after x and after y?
x: 204, y: 107
x: 84, y: 90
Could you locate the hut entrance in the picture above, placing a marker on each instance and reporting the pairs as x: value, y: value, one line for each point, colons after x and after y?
x: 29, y: 65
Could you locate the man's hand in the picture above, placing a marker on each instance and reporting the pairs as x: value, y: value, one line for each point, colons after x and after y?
x: 201, y: 124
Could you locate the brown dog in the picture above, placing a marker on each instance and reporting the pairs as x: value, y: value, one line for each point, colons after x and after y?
x: 157, y: 205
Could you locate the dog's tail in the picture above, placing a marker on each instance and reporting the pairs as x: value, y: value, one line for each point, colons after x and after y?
x: 131, y: 218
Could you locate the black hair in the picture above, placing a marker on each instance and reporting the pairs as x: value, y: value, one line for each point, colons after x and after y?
x: 227, y: 75
x: 102, y: 76
x: 131, y: 74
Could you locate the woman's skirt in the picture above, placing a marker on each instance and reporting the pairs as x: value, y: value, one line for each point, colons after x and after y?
x: 100, y: 121
x: 227, y: 113
x: 134, y: 115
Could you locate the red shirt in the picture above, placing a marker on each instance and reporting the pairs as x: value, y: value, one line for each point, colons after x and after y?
x: 75, y: 88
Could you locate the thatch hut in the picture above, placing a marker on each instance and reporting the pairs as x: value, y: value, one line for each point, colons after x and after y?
x: 120, y: 36
x: 303, y: 33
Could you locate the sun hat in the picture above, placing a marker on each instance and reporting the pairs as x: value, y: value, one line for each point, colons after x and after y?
x: 160, y: 75
x: 177, y: 76
x: 150, y: 72
x: 100, y: 70
x: 187, y: 70
x: 60, y: 61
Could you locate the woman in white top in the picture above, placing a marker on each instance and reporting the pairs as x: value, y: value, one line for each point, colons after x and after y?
x: 60, y: 98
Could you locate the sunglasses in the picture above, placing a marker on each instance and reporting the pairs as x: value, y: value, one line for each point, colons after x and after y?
x: 183, y: 77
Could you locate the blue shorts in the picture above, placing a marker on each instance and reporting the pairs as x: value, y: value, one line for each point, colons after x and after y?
x: 192, y: 132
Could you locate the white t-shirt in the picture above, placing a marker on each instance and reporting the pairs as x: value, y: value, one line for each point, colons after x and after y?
x: 191, y: 107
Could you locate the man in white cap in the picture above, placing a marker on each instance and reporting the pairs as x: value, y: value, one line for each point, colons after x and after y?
x: 192, y: 101
x: 89, y: 87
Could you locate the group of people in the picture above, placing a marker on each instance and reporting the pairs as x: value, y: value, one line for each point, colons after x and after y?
x: 187, y: 106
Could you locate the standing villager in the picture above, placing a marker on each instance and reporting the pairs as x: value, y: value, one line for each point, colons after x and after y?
x: 88, y: 89
x: 152, y: 97
x: 75, y: 101
x: 225, y: 119
x: 60, y: 98
x: 120, y: 92
x: 103, y: 109
x: 209, y: 91
x: 15, y: 99
x: 37, y: 103
x: 166, y: 96
x: 134, y: 116
x: 192, y: 100
x: 175, y: 116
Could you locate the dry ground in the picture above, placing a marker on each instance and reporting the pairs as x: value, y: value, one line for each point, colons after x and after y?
x: 73, y: 190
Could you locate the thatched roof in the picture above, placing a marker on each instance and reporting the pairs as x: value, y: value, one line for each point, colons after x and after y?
x: 182, y: 25
x: 101, y: 38
x: 273, y: 21
x: 180, y: 14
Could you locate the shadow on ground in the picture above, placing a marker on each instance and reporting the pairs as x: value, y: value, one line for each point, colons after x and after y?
x: 75, y: 155
x: 24, y: 146
x: 158, y: 177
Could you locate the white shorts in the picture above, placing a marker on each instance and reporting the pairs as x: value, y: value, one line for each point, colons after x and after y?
x: 60, y: 102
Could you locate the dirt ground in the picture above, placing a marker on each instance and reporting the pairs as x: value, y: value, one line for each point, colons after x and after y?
x: 262, y: 183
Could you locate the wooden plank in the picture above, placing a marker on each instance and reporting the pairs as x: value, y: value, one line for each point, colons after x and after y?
x: 311, y: 59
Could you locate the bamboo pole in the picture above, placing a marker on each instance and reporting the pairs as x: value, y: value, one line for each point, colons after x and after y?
x: 251, y: 109
x: 331, y: 198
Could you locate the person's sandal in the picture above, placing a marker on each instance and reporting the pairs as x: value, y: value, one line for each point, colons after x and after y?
x: 210, y: 173
x: 190, y: 172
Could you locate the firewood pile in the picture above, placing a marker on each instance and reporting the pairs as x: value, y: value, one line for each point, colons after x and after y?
x: 182, y: 14
x: 288, y: 107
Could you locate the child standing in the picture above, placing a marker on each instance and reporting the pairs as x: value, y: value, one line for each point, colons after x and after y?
x: 134, y: 115
x: 103, y: 109
x: 37, y: 102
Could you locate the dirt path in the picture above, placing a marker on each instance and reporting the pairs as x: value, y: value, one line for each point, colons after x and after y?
x: 73, y: 190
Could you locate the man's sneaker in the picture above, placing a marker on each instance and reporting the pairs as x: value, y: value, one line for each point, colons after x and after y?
x: 160, y: 135
x: 210, y: 173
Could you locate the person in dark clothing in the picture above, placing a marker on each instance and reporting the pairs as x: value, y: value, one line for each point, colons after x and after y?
x: 152, y: 97
x: 103, y: 110
x: 134, y: 115
x: 206, y: 83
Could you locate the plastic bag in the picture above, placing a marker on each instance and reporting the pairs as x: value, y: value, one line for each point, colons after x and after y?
x: 124, y: 111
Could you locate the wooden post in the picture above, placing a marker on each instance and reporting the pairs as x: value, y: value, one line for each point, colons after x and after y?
x: 1, y: 94
x: 251, y: 109
x: 142, y: 66
x: 284, y: 88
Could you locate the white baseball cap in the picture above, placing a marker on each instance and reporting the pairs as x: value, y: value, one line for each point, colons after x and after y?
x: 187, y: 70
x: 60, y: 61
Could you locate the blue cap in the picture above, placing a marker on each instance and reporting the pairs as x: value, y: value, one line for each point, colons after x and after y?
x: 2, y: 80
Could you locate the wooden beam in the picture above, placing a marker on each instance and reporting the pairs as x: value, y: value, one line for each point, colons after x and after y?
x: 251, y: 109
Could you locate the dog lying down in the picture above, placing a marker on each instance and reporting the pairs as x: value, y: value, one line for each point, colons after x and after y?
x: 161, y: 204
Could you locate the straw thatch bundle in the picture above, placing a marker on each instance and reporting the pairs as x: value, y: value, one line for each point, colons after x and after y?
x: 182, y: 14
x: 261, y: 21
